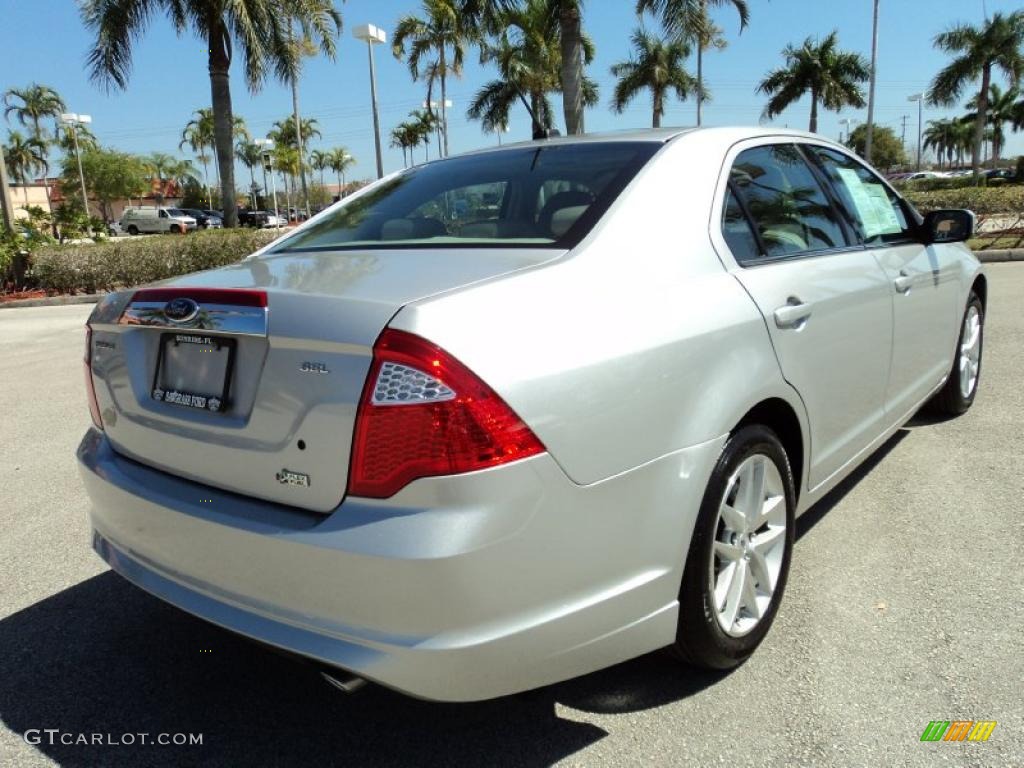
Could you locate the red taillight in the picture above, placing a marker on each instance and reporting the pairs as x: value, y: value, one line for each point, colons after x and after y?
x: 90, y: 389
x: 424, y: 414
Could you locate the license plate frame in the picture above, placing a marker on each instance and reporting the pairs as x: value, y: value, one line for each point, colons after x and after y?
x: 211, y: 402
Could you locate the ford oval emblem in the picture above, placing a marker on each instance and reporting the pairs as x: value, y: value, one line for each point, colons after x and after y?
x: 181, y: 310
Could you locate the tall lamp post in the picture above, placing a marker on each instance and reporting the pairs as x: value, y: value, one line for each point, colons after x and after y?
x: 268, y: 165
x: 373, y: 35
x: 72, y: 120
x: 848, y: 122
x: 919, y: 98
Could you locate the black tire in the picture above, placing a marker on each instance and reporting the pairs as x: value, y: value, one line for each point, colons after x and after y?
x: 700, y: 639
x: 950, y: 400
x: 133, y: 230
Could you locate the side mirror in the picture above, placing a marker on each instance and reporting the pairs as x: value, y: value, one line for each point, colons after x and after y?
x: 949, y: 226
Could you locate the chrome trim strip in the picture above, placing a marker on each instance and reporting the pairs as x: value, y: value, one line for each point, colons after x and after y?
x: 220, y: 318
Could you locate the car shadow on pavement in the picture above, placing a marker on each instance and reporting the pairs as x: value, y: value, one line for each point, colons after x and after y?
x: 815, y: 514
x: 103, y: 657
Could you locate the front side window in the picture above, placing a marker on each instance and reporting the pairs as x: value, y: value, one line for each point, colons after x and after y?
x: 788, y: 207
x: 532, y: 197
x: 872, y: 208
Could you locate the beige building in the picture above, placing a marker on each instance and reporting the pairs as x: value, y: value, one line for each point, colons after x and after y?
x: 33, y: 193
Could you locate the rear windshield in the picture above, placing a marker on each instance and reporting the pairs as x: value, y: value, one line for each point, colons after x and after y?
x: 528, y: 197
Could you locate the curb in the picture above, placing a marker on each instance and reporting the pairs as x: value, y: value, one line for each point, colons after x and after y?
x: 52, y: 301
x: 1012, y: 254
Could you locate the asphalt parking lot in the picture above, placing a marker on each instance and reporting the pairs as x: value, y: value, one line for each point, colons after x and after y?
x: 905, y: 605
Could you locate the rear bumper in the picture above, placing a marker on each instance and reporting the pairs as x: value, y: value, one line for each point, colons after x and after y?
x: 456, y: 589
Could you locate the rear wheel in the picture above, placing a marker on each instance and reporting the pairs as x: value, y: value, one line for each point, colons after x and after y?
x: 739, y: 555
x: 957, y: 395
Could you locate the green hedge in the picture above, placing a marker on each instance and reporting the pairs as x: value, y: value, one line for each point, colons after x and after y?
x: 982, y: 200
x: 135, y: 261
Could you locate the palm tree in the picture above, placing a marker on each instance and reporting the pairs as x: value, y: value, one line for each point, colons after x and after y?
x: 159, y: 164
x: 939, y: 135
x: 250, y: 155
x: 830, y: 75
x: 573, y: 57
x: 401, y: 139
x: 258, y: 29
x: 302, y: 47
x: 689, y: 19
x: 318, y: 161
x: 24, y: 158
x: 977, y: 51
x: 66, y: 139
x: 340, y: 160
x: 1002, y: 109
x: 442, y: 32
x: 31, y: 105
x: 527, y: 52
x: 199, y: 135
x: 657, y: 66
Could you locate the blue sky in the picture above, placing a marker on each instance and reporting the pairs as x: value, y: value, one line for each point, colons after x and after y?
x: 44, y: 41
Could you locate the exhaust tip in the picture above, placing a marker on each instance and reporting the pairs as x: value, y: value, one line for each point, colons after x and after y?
x: 343, y: 681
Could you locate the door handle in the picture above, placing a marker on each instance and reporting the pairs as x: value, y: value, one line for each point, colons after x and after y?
x: 792, y: 314
x: 904, y: 282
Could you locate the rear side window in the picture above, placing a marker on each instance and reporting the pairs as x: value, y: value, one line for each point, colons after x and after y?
x: 736, y: 231
x: 787, y: 205
x: 872, y: 208
x: 549, y: 195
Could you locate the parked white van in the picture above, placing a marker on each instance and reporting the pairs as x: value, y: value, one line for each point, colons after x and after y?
x: 135, y: 221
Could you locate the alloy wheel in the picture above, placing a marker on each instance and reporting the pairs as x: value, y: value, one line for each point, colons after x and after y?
x: 749, y: 545
x: 970, y: 351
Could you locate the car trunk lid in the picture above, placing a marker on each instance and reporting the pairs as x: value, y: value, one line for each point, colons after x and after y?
x: 248, y: 378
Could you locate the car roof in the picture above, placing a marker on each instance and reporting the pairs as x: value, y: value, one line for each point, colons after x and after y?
x: 659, y: 136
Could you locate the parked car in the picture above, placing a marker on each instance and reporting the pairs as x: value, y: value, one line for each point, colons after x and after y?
x: 464, y: 458
x: 204, y: 219
x: 135, y: 221
x: 1000, y: 173
x: 260, y: 219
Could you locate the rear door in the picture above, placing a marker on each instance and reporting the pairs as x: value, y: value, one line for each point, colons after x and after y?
x: 825, y: 299
x: 924, y: 279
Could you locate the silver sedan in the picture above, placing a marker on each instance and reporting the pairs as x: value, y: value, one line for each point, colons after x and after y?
x: 507, y: 418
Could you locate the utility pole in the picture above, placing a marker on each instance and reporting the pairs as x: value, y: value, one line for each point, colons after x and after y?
x: 903, y: 131
x: 871, y: 87
x: 6, y: 207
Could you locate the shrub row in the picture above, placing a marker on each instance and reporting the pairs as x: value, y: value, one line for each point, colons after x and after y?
x: 981, y: 200
x: 126, y: 262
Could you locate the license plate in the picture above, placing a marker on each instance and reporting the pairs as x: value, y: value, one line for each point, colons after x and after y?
x: 194, y: 370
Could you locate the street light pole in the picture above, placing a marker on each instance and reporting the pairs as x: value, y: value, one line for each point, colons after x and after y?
x: 268, y: 144
x: 73, y: 120
x: 442, y: 105
x: 871, y: 87
x: 848, y: 122
x: 919, y: 98
x: 373, y: 35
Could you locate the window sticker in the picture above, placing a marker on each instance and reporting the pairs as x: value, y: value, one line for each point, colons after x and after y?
x: 872, y: 203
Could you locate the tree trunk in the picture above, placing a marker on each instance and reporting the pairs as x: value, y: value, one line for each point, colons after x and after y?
x: 700, y: 84
x: 813, y: 128
x: 979, y: 121
x: 659, y: 109
x: 223, y: 119
x: 539, y: 129
x: 444, y: 108
x: 572, y: 66
x: 298, y: 141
